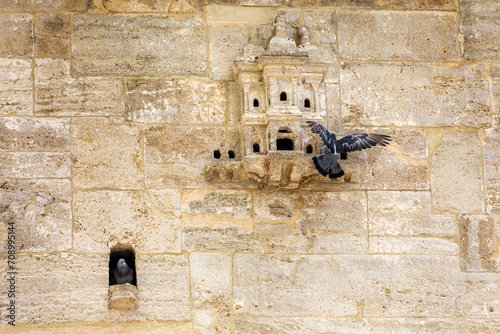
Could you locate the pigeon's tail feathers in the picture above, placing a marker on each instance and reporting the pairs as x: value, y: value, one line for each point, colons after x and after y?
x: 328, y: 164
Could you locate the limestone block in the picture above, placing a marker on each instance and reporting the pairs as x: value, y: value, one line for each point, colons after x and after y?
x: 54, y: 24
x: 176, y: 156
x: 479, y: 27
x: 211, y: 279
x: 15, y: 5
x: 236, y: 204
x: 237, y: 15
x: 58, y: 93
x: 478, y: 243
x: 41, y: 211
x: 376, y: 4
x: 322, y: 26
x: 74, y: 285
x: 250, y: 2
x: 163, y: 283
x: 336, y: 212
x: 212, y: 321
x: 76, y: 5
x: 16, y: 87
x: 327, y: 285
x: 225, y: 44
x: 176, y: 101
x: 282, y: 238
x: 107, y: 153
x: 166, y: 200
x: 16, y: 33
x: 456, y: 180
x: 34, y: 134
x: 305, y: 325
x: 402, y: 222
x: 391, y: 35
x: 274, y: 206
x: 401, y: 165
x: 47, y: 4
x: 334, y: 116
x: 137, y: 5
x: 103, y: 219
x: 414, y: 95
x: 28, y: 165
x: 146, y: 45
x: 230, y: 237
x: 491, y: 154
x: 139, y: 327
x: 52, y: 47
x: 481, y: 298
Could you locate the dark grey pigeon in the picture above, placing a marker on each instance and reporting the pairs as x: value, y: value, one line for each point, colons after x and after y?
x: 123, y: 273
x: 328, y: 162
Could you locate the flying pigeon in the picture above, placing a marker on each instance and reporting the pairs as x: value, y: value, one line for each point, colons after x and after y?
x: 123, y: 273
x: 327, y: 163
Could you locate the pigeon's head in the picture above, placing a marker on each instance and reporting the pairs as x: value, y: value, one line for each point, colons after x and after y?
x: 121, y: 265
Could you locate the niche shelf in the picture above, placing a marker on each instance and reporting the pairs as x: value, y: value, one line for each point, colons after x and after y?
x: 122, y: 296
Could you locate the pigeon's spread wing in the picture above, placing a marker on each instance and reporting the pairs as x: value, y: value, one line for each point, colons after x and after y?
x: 325, y: 136
x: 360, y: 141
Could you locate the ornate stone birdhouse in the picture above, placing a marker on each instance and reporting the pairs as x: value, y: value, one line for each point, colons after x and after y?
x: 282, y: 87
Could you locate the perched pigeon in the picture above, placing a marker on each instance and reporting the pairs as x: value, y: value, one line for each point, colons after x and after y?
x: 123, y: 273
x: 327, y: 163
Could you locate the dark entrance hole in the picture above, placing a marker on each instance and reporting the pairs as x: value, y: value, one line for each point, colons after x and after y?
x: 307, y: 103
x: 121, y: 252
x: 231, y: 154
x: 217, y: 154
x: 343, y: 156
x: 309, y: 149
x: 283, y: 96
x: 255, y: 102
x: 284, y: 144
x: 256, y: 148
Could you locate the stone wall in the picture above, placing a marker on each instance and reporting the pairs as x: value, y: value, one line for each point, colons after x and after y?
x: 110, y: 111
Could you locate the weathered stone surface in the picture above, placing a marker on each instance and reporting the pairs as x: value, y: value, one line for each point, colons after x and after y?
x: 402, y: 222
x: 176, y: 156
x: 274, y: 206
x: 16, y: 33
x: 14, y: 5
x: 52, y: 47
x: 226, y: 43
x: 33, y: 134
x: 391, y: 286
x: 74, y: 285
x: 456, y: 180
x: 377, y: 4
x: 56, y: 24
x: 388, y: 35
x: 414, y: 95
x: 283, y: 238
x: 239, y: 15
x: 401, y: 165
x: 28, y: 165
x: 41, y: 211
x: 322, y: 26
x: 16, y: 87
x: 76, y: 5
x: 231, y: 237
x: 57, y: 93
x: 478, y: 243
x: 105, y: 218
x: 176, y: 101
x: 212, y: 321
x: 479, y: 26
x: 491, y: 154
x: 128, y: 45
x: 46, y: 4
x: 166, y: 200
x: 304, y: 325
x: 107, y: 153
x: 235, y: 204
x: 163, y: 282
x: 148, y: 6
x: 481, y: 298
x: 139, y: 327
x: 211, y: 279
x: 122, y: 296
x: 334, y: 222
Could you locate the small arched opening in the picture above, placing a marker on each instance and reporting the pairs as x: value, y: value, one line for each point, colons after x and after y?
x: 307, y: 103
x: 309, y: 149
x: 284, y: 144
x: 126, y: 253
x: 256, y: 148
x: 255, y: 103
x: 283, y: 96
